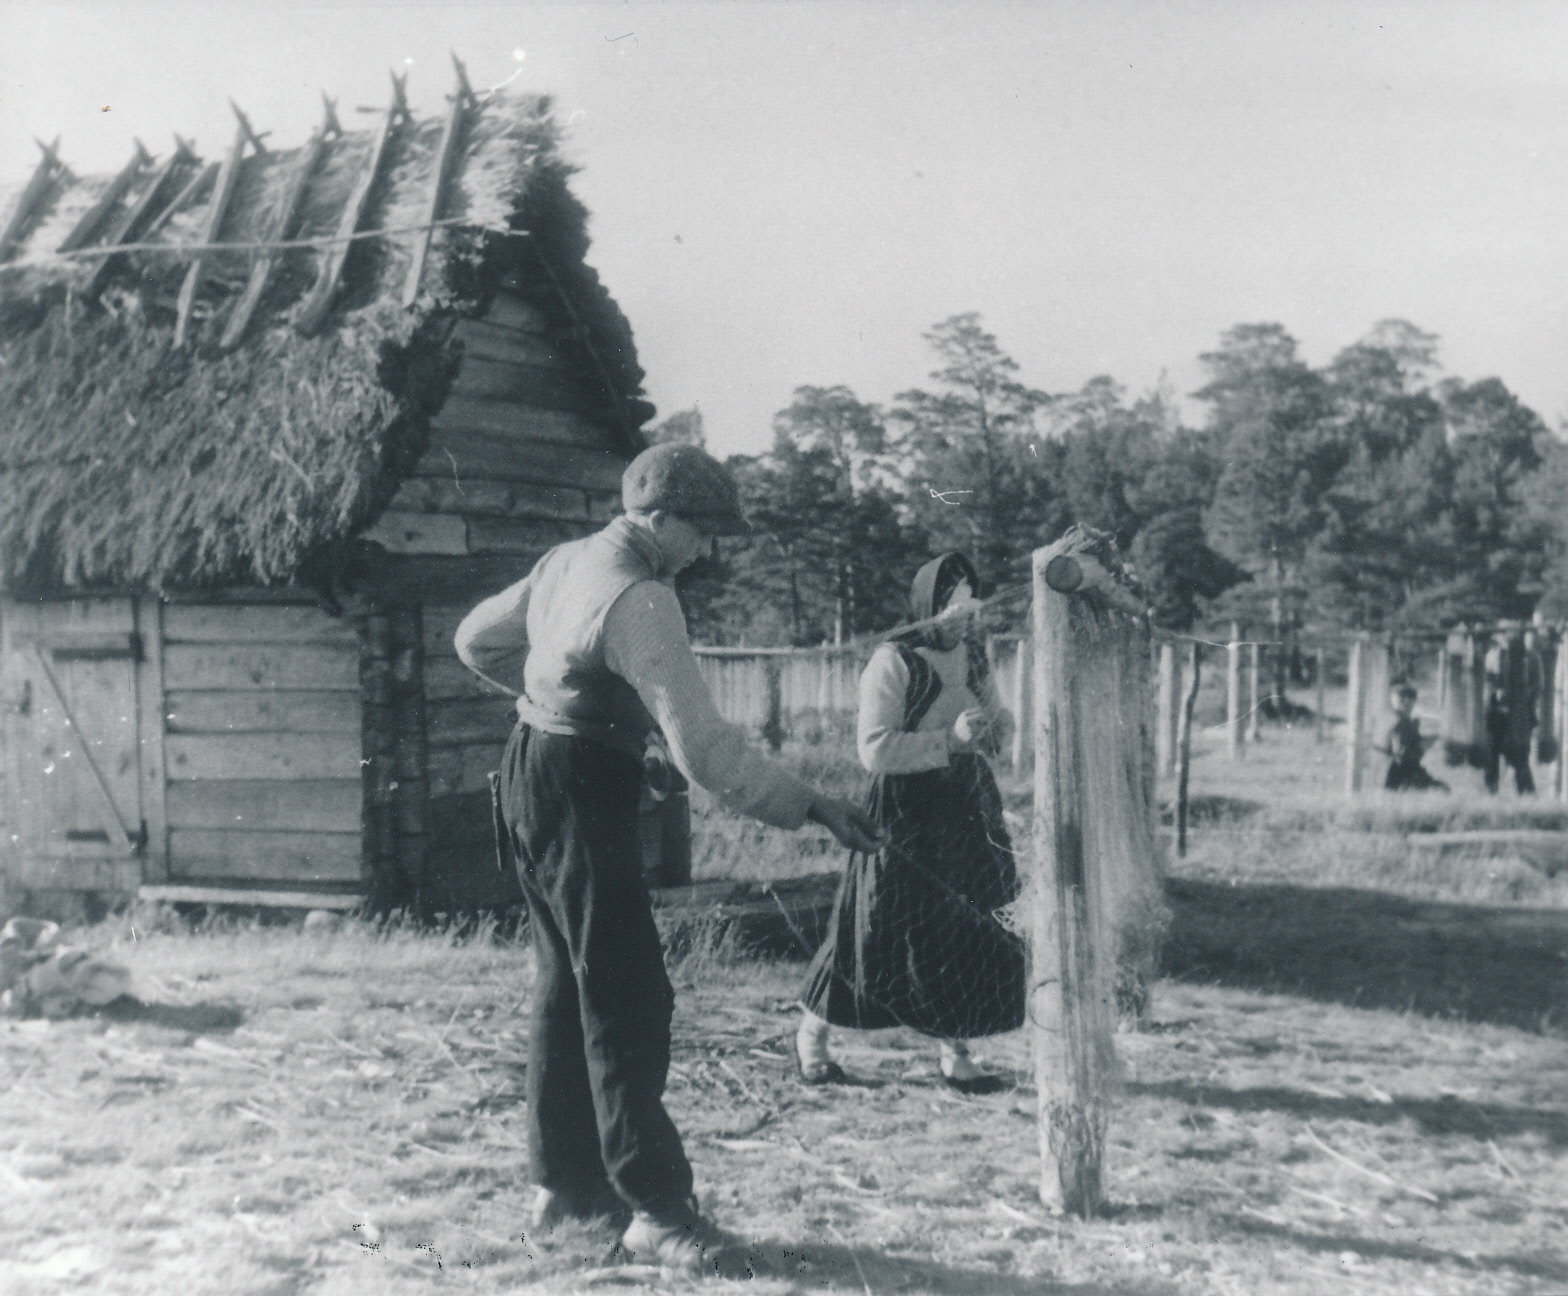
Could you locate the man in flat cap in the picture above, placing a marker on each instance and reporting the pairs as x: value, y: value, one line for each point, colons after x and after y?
x: 593, y: 644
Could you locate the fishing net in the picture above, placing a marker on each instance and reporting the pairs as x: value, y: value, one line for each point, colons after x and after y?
x: 932, y: 932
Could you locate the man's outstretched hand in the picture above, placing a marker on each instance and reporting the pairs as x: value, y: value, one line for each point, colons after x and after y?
x: 852, y: 826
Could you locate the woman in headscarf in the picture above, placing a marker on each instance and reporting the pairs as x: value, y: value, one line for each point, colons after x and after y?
x: 915, y: 939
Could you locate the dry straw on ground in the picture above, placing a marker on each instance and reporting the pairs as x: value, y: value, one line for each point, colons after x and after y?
x: 339, y: 1110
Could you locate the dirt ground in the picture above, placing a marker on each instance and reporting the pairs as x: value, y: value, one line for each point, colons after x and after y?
x: 1354, y: 1079
x: 339, y: 1113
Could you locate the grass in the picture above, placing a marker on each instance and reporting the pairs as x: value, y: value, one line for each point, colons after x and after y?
x: 1351, y: 1081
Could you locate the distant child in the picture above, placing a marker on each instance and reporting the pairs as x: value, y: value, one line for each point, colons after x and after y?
x: 1406, y: 746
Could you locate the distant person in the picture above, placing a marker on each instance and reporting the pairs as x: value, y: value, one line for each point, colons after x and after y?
x: 914, y: 939
x: 1512, y: 682
x: 593, y: 646
x: 1405, y: 747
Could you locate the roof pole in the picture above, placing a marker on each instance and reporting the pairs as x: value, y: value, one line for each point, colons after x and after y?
x: 312, y: 310
x: 446, y: 154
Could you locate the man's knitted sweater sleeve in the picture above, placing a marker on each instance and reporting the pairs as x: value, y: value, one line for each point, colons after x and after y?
x: 645, y: 643
x: 492, y: 640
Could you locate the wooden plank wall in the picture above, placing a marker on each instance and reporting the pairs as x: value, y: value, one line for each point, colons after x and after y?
x: 522, y: 455
x: 262, y: 745
x: 466, y: 727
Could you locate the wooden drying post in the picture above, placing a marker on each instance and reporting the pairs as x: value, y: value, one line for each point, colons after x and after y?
x: 1560, y: 698
x: 1070, y: 995
x: 1235, y: 735
x: 213, y: 225
x: 313, y: 309
x: 33, y: 198
x: 1355, y: 711
x: 1320, y: 677
x: 1189, y: 704
x: 1253, y: 651
x: 280, y: 228
x: 1167, y: 721
x: 446, y: 153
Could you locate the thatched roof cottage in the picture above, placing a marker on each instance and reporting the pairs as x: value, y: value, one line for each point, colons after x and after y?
x: 268, y: 426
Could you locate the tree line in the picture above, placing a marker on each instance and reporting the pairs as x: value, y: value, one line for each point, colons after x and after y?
x: 1374, y: 493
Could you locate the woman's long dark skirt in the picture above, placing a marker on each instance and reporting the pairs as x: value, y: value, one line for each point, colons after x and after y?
x: 914, y: 939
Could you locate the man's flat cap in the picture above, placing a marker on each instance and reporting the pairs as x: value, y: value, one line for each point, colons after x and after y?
x: 682, y: 479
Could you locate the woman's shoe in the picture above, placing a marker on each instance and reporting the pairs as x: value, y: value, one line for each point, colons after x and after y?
x: 960, y: 1074
x: 819, y: 1071
x: 973, y: 1085
x: 812, y: 1063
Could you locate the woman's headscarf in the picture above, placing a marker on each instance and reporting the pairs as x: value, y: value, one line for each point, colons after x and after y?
x: 928, y: 595
x: 935, y: 582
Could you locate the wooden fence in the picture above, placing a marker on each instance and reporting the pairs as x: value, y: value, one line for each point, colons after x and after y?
x: 811, y: 694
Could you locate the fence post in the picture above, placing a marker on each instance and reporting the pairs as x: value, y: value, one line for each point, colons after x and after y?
x: 1092, y: 838
x: 824, y: 692
x: 1234, y: 736
x: 1252, y: 689
x: 1320, y: 672
x: 1355, y: 709
x: 1166, y: 721
x: 1547, y: 736
x: 773, y: 726
x: 1561, y: 768
x: 1184, y: 747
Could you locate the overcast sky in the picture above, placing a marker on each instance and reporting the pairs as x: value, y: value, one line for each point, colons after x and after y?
x: 792, y: 193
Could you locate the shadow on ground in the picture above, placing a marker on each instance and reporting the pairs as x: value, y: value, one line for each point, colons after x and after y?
x: 1213, y: 809
x: 1373, y: 950
x: 1545, y: 1265
x: 1445, y: 1115
x: 833, y: 1267
x: 202, y: 1018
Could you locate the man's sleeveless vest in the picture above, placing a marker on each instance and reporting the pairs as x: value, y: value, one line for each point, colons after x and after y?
x: 568, y: 687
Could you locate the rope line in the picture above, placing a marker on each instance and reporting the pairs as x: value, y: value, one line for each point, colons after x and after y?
x: 278, y: 245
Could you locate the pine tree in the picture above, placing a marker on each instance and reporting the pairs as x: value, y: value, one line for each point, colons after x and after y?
x: 966, y: 448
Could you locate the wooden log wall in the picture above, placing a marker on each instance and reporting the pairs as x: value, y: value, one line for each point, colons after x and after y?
x: 466, y: 727
x: 522, y: 455
x: 262, y: 746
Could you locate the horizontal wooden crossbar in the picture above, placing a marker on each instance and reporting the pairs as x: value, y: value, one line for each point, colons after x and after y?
x: 248, y: 896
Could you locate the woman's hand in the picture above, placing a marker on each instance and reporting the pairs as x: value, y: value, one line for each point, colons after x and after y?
x: 971, y: 729
x: 853, y: 827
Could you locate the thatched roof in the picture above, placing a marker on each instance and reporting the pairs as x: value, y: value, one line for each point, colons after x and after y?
x: 128, y: 461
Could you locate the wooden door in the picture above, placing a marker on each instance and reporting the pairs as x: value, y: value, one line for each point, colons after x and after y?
x: 74, y: 794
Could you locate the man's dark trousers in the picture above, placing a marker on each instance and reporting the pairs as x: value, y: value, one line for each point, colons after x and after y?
x: 599, y: 1049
